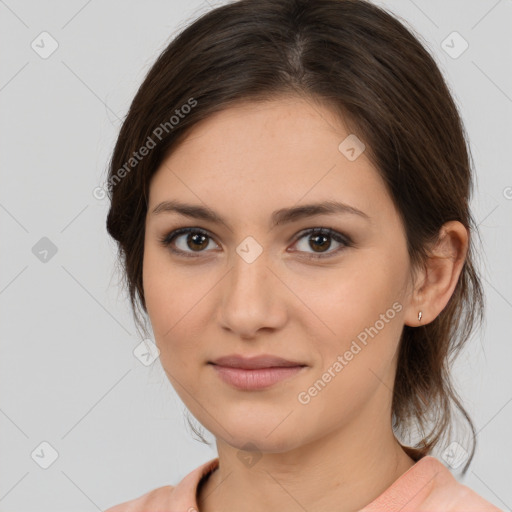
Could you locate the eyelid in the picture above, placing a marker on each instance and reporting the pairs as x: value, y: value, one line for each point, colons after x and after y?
x: 339, y: 237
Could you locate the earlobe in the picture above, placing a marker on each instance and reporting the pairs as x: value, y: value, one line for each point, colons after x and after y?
x: 415, y: 311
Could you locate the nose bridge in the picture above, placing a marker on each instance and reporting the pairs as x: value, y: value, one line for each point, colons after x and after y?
x: 250, y: 273
x: 249, y: 300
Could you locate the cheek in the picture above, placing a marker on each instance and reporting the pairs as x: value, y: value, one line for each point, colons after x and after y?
x: 176, y: 310
x: 364, y: 312
x: 163, y: 295
x: 164, y: 289
x: 156, y: 290
x: 357, y: 362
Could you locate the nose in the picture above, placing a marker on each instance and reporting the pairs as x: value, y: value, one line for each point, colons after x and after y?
x: 252, y: 298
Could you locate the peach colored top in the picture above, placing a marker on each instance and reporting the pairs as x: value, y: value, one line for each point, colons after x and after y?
x: 428, y: 486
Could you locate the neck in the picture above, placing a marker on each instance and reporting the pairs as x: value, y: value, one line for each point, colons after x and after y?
x: 342, y: 471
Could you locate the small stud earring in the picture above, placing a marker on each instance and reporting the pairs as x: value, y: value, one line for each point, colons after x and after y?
x: 419, y: 316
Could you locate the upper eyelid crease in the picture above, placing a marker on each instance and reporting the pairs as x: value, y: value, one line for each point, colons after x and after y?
x: 282, y: 216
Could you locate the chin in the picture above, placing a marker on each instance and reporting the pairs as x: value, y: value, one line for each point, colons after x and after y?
x: 271, y: 436
x: 253, y: 444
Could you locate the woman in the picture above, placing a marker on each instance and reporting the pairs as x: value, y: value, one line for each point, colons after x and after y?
x: 289, y: 193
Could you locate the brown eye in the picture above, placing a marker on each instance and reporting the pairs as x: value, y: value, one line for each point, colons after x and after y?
x: 196, y: 240
x: 320, y: 241
x: 187, y: 241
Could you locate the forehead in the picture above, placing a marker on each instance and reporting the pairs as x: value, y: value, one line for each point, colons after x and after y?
x: 291, y: 120
x: 282, y: 151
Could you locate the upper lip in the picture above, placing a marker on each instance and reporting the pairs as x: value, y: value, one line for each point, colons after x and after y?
x: 249, y: 363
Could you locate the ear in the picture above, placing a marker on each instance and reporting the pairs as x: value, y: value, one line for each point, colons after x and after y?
x: 435, y: 283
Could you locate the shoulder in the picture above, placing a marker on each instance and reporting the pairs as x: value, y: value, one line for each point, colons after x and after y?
x: 157, y: 499
x: 454, y: 496
x: 429, y: 486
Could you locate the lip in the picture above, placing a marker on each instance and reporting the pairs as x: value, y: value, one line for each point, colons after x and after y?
x: 254, y: 373
x: 255, y: 362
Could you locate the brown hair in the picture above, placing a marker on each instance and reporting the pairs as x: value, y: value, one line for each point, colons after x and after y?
x: 365, y: 65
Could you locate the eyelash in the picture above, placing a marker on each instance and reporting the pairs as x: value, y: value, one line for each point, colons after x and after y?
x: 167, y: 240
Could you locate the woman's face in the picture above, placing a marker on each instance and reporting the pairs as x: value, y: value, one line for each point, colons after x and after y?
x: 250, y: 287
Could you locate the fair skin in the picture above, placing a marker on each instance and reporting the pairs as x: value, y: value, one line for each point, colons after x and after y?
x: 338, y: 451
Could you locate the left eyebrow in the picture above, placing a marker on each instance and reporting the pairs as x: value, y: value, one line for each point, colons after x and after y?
x: 287, y: 215
x: 281, y: 216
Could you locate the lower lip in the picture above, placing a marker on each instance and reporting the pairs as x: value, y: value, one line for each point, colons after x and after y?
x: 249, y: 380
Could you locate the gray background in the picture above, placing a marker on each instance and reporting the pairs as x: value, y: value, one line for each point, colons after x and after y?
x: 68, y: 375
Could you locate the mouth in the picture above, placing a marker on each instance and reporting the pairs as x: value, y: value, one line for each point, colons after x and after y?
x: 255, y: 362
x: 255, y: 373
